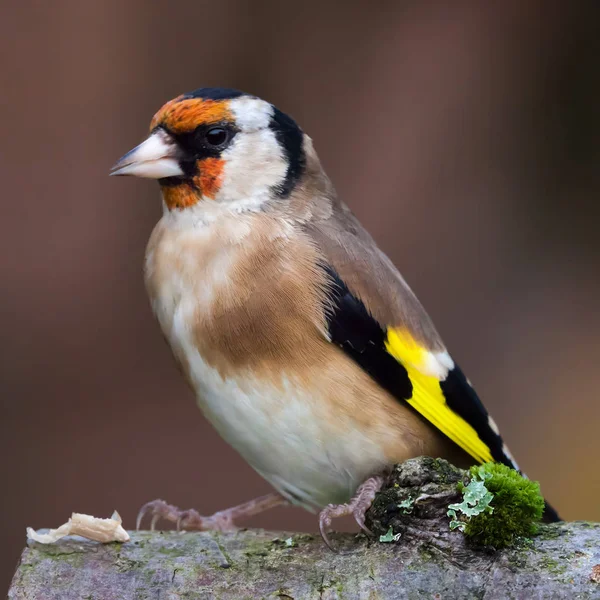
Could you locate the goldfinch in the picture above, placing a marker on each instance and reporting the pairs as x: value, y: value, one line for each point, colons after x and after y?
x: 305, y: 347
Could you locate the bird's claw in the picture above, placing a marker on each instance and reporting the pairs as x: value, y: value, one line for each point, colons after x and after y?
x: 156, y: 509
x: 357, y: 508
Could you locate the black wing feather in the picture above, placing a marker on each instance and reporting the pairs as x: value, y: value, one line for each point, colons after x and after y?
x: 362, y: 338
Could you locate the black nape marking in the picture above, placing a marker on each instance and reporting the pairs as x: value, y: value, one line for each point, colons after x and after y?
x: 215, y: 93
x: 291, y: 138
x: 362, y: 338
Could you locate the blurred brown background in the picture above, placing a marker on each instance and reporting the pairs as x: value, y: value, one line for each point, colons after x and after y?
x: 465, y: 135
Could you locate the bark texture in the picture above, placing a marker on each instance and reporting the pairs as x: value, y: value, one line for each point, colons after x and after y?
x: 427, y: 561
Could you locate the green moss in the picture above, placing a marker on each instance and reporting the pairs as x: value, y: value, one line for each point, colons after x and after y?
x: 513, y: 510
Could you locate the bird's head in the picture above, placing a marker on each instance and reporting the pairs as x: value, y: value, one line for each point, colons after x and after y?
x: 219, y: 145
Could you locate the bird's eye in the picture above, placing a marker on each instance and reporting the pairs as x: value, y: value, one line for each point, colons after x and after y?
x: 216, y: 136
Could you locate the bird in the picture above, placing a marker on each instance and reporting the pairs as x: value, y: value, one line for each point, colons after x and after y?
x: 305, y: 347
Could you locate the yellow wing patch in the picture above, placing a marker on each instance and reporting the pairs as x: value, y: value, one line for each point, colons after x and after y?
x: 428, y: 398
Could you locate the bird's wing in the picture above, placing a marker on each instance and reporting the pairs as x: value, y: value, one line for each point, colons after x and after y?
x: 377, y: 320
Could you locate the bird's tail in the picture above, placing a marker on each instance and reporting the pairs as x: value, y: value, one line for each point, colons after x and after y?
x: 550, y: 515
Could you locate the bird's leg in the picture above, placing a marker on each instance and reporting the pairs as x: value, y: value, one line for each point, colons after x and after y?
x: 357, y: 507
x: 219, y: 521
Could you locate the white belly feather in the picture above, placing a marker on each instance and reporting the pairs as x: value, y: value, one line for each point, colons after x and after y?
x: 283, y: 435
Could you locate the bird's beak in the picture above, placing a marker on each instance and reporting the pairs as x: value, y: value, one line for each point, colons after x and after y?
x: 154, y: 158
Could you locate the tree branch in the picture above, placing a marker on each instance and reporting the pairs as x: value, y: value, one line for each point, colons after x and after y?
x: 427, y: 561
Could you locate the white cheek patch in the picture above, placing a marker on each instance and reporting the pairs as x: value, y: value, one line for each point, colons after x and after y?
x: 254, y: 164
x: 251, y: 114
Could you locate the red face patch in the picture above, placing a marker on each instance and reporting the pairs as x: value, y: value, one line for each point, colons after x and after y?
x: 185, y: 114
x: 204, y: 185
x: 180, y: 196
x: 210, y: 177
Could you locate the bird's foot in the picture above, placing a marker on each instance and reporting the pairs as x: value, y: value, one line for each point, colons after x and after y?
x: 184, y: 519
x: 192, y: 520
x: 357, y: 507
